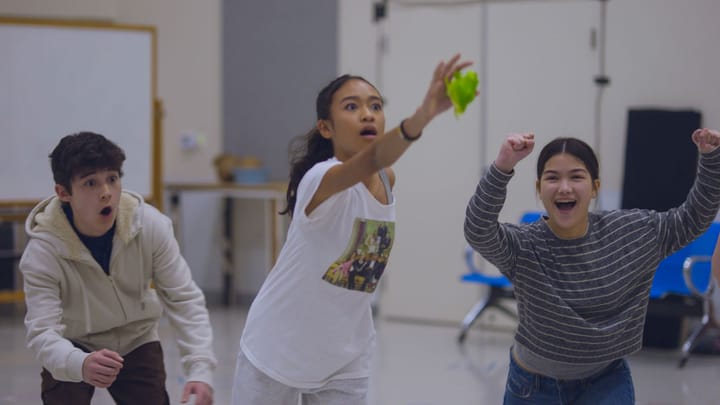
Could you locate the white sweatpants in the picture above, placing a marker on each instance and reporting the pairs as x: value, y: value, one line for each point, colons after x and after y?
x: 252, y: 387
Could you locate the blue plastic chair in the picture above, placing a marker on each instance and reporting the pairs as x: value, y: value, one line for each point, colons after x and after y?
x: 672, y: 298
x: 683, y: 282
x: 500, y: 286
x: 669, y: 278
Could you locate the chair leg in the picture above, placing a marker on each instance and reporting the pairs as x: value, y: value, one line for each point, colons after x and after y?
x: 472, y: 316
x: 692, y: 341
x: 506, y: 311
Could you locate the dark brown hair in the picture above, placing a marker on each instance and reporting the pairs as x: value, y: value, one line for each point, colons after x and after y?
x: 81, y: 152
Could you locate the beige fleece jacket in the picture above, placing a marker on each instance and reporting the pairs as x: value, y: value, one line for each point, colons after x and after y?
x: 70, y: 298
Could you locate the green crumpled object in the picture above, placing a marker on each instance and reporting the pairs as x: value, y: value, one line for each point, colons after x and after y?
x: 462, y: 90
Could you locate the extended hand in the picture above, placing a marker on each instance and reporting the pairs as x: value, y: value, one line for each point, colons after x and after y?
x: 203, y: 393
x: 707, y: 140
x: 436, y: 99
x: 100, y: 368
x: 515, y: 148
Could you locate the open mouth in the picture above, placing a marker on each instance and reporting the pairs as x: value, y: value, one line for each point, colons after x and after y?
x: 565, y: 205
x: 368, y: 132
x: 106, y: 211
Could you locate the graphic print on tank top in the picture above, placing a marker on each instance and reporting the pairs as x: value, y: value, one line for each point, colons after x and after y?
x: 363, y: 262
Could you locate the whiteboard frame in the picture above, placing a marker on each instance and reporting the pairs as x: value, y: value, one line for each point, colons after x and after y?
x: 13, y: 209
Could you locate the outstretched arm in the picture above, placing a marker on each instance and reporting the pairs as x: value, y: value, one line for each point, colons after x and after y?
x: 388, y: 148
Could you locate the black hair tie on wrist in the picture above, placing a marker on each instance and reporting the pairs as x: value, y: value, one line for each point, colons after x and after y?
x: 406, y: 136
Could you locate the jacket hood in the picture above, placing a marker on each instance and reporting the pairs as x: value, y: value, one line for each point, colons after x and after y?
x: 48, y: 222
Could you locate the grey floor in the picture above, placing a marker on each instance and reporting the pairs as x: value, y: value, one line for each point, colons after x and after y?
x: 413, y: 365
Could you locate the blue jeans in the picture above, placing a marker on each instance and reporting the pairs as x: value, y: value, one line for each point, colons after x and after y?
x: 613, y: 386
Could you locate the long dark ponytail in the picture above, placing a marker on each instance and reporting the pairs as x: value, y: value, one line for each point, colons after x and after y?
x: 308, y: 149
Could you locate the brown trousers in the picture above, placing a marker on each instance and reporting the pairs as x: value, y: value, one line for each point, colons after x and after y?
x: 140, y: 381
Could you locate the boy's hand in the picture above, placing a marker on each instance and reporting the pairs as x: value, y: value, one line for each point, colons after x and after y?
x: 707, y: 140
x: 100, y: 368
x: 203, y: 393
x: 515, y: 148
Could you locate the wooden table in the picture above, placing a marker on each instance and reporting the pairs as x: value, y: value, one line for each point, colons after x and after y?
x: 272, y: 193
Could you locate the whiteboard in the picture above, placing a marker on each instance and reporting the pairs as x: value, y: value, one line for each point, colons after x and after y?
x: 59, y: 78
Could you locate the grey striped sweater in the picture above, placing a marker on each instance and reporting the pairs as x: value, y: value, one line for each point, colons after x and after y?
x: 583, y: 301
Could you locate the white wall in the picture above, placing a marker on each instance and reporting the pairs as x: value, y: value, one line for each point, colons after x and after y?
x: 70, y: 9
x: 538, y: 76
x: 540, y: 66
x: 189, y: 83
x: 188, y: 78
x: 188, y: 34
x: 188, y: 66
x: 436, y: 175
x: 661, y: 53
x: 358, y: 38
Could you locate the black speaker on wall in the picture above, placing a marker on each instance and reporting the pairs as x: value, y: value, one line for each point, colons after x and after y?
x: 660, y: 158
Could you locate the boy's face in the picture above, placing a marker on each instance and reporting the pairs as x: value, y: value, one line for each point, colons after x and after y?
x: 94, y: 200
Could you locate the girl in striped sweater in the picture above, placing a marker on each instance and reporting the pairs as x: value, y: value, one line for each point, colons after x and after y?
x: 581, y: 278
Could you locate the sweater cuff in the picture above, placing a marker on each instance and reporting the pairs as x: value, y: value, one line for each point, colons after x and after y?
x: 711, y: 159
x: 75, y: 361
x: 202, y: 372
x: 495, y: 169
x: 497, y: 177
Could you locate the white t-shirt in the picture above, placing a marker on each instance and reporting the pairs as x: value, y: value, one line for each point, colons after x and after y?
x: 311, y: 322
